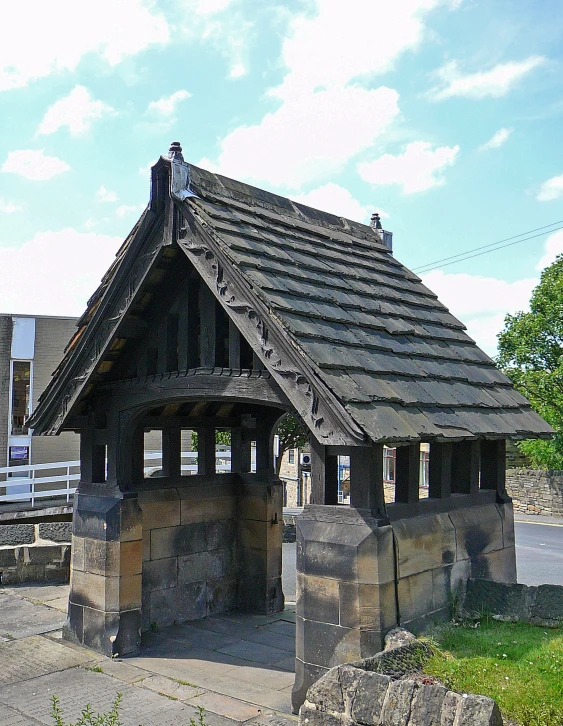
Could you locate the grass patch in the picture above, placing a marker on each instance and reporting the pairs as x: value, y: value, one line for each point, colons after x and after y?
x: 517, y: 664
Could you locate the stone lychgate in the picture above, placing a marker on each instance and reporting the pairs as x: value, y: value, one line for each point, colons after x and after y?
x: 226, y: 307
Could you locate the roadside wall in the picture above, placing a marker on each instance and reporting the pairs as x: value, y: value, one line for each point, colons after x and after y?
x: 536, y: 492
x: 35, y: 552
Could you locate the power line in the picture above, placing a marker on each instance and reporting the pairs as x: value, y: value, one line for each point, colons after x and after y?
x: 486, y: 247
x: 486, y: 252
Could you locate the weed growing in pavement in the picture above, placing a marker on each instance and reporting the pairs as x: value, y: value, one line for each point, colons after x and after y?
x: 109, y: 718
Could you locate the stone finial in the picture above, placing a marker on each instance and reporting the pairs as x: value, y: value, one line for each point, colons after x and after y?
x: 375, y: 221
x: 175, y: 151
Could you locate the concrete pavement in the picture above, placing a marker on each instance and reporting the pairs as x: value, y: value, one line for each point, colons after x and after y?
x: 239, y: 668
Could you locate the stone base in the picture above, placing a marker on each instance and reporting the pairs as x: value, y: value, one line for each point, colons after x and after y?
x: 104, y: 610
x: 356, y: 580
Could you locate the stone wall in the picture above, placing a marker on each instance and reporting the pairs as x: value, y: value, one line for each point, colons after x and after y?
x: 189, y: 553
x: 353, y: 695
x: 541, y: 605
x: 356, y: 579
x: 535, y: 491
x: 35, y: 552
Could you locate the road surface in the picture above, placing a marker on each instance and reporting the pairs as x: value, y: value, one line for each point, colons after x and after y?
x: 539, y: 556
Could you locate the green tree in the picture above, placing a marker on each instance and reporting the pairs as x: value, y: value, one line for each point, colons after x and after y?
x: 292, y: 434
x: 531, y: 355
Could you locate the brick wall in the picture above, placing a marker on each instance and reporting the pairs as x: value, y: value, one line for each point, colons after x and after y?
x: 536, y: 492
x: 5, y: 352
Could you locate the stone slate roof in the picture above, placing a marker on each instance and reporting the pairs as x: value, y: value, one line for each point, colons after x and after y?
x: 399, y: 363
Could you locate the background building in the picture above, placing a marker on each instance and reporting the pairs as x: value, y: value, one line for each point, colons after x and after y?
x: 31, y: 347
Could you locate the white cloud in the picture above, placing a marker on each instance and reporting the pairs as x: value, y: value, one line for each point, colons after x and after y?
x: 326, y: 116
x: 553, y: 247
x: 496, y: 140
x: 50, y: 257
x: 480, y: 302
x: 7, y: 207
x: 493, y: 83
x: 161, y: 115
x: 336, y: 200
x: 39, y: 38
x: 124, y: 210
x: 338, y: 43
x: 418, y: 168
x: 78, y: 111
x: 309, y: 137
x: 551, y: 189
x: 106, y: 195
x: 33, y: 164
x: 221, y: 24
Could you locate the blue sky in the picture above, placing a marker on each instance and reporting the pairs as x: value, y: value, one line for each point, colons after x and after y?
x: 444, y: 115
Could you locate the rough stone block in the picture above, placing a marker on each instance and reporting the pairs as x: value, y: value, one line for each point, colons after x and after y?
x: 397, y: 705
x: 547, y: 607
x: 130, y: 592
x: 131, y: 557
x: 17, y: 534
x: 509, y: 601
x: 42, y: 554
x: 221, y: 595
x: 312, y: 717
x: 370, y: 694
x: 330, y: 645
x: 95, y: 591
x: 415, y: 596
x: 205, y: 566
x: 478, y: 711
x: 207, y: 509
x: 221, y: 534
x: 320, y: 597
x: 305, y: 675
x: 7, y: 557
x: 478, y: 531
x: 160, y: 574
x: 326, y: 694
x: 101, y: 557
x: 184, y: 602
x: 426, y: 707
x: 131, y: 524
x: 499, y: 565
x: 77, y: 553
x: 449, y: 708
x: 175, y: 541
x: 424, y: 543
x: 146, y: 545
x: 56, y: 531
x: 160, y: 508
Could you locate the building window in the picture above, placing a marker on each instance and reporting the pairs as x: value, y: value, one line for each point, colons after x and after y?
x: 291, y: 456
x: 21, y: 400
x: 388, y: 465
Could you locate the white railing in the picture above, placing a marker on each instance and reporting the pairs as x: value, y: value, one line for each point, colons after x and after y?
x: 22, y: 482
